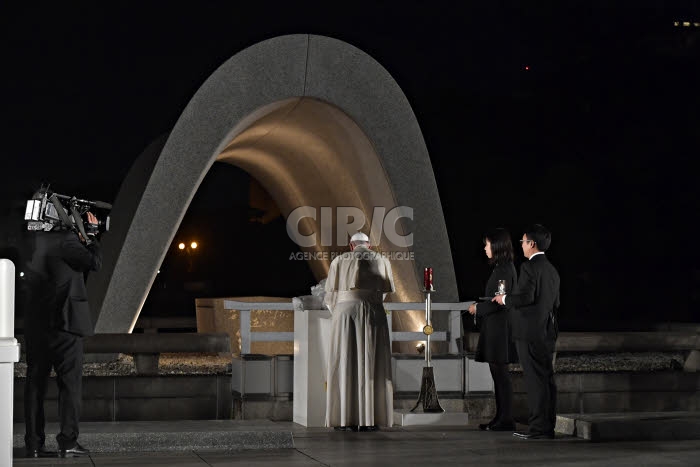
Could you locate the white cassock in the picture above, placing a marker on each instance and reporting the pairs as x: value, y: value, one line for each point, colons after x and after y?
x: 359, y: 387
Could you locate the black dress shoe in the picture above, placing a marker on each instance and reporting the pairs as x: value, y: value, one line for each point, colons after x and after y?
x: 40, y: 452
x: 485, y: 426
x: 502, y: 427
x: 75, y: 451
x: 368, y: 428
x: 534, y: 435
x: 343, y: 428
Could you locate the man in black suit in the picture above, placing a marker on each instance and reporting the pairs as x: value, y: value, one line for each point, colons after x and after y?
x: 57, y: 319
x: 532, y: 314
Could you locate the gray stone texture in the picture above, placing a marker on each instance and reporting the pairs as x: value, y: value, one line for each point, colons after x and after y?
x: 631, y: 426
x: 692, y: 362
x: 627, y: 341
x: 615, y: 342
x: 264, y: 74
x: 348, y: 78
x: 146, y: 363
x: 183, y: 436
x: 124, y: 207
x: 169, y: 396
x: 192, y: 397
x: 410, y: 446
x: 280, y: 409
x: 159, y: 343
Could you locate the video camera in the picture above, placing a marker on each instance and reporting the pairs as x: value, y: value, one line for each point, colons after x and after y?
x: 46, y: 211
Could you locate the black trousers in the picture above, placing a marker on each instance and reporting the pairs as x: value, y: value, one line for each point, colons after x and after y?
x: 538, y: 372
x: 503, y: 387
x: 64, y: 352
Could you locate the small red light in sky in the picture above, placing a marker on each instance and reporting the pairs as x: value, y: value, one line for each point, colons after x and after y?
x: 527, y: 68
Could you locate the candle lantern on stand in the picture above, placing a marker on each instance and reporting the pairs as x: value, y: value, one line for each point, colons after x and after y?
x: 428, y: 391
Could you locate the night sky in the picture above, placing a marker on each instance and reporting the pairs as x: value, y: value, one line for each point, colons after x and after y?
x: 581, y: 116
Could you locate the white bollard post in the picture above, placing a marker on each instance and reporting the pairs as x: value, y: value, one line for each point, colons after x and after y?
x: 9, y: 355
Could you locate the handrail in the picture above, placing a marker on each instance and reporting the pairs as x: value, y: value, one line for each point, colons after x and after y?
x: 450, y: 335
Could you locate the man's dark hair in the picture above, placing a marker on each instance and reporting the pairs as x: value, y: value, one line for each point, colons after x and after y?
x: 501, y: 246
x: 540, y: 235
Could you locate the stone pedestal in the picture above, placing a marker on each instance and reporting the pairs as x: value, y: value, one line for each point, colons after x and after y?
x: 312, y: 329
x: 9, y: 355
x: 477, y: 376
x: 448, y: 370
x: 408, y: 418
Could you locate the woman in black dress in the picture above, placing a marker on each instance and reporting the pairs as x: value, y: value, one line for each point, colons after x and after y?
x: 495, y: 345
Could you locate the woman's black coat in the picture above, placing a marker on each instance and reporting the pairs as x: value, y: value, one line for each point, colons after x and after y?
x: 495, y: 344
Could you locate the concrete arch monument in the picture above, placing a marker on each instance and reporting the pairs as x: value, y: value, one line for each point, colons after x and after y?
x: 318, y: 123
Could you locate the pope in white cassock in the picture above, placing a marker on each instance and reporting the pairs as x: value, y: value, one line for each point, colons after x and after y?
x: 360, y: 392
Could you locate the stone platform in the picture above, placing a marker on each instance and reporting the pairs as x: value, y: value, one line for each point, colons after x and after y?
x: 226, y: 435
x: 405, y: 446
x: 408, y: 418
x: 631, y: 426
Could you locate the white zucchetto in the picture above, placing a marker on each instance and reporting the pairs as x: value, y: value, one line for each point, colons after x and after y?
x: 359, y: 237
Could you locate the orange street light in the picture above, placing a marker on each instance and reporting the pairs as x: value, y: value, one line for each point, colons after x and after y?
x: 189, y: 249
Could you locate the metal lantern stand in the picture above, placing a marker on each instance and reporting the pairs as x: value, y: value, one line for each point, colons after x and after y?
x: 428, y: 392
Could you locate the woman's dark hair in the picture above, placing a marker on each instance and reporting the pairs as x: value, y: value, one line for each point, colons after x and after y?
x: 501, y: 246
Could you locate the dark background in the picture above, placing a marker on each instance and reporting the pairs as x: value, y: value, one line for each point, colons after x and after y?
x: 597, y: 139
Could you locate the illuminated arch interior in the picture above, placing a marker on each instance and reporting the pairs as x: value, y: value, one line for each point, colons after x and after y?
x: 305, y: 152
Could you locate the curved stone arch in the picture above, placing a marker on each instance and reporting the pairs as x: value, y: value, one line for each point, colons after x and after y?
x: 272, y: 77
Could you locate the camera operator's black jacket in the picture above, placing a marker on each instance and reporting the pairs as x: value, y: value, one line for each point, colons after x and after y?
x: 57, y: 275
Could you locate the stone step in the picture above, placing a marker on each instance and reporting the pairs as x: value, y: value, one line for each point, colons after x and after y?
x: 182, y: 435
x: 631, y: 426
x: 407, y: 418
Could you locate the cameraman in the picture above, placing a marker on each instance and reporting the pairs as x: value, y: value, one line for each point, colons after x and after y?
x: 58, y: 317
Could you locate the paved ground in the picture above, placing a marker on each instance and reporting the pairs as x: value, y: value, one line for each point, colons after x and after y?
x: 425, y: 447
